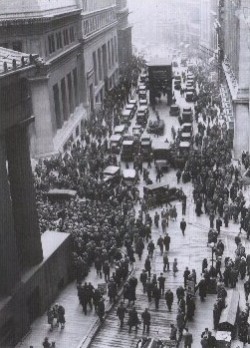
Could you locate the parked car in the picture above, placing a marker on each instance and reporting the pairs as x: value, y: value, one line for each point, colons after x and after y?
x: 132, y: 108
x: 146, y: 147
x: 115, y: 142
x: 177, y: 85
x: 57, y: 195
x: 142, y: 94
x: 189, y: 97
x: 128, y: 150
x: 143, y: 102
x: 174, y: 110
x: 142, y: 115
x: 137, y: 131
x: 163, y: 193
x: 126, y: 116
x: 187, y: 127
x: 129, y: 177
x: 120, y: 130
x: 186, y: 117
x: 186, y: 136
x: 162, y: 154
x: 111, y: 174
x: 156, y: 127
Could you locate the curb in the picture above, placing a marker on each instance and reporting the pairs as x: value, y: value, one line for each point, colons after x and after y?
x: 88, y: 339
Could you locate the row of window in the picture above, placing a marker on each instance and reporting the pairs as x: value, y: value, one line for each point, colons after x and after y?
x: 66, y: 97
x: 61, y: 38
x: 97, y: 22
x: 104, y: 58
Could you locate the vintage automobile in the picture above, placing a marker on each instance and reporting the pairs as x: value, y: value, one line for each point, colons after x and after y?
x: 137, y: 131
x: 111, y: 174
x: 174, y: 110
x: 177, y: 78
x: 132, y: 108
x: 115, y: 143
x: 128, y: 147
x: 177, y: 85
x: 189, y: 97
x: 187, y: 109
x: 56, y: 195
x: 158, y: 194
x: 143, y: 102
x: 186, y: 136
x: 142, y: 94
x: 186, y: 117
x: 126, y: 116
x: 145, y: 147
x: 190, y: 89
x: 120, y: 130
x: 142, y: 115
x: 134, y: 102
x: 187, y: 127
x: 162, y: 154
x: 129, y: 177
x: 143, y: 78
x: 156, y: 127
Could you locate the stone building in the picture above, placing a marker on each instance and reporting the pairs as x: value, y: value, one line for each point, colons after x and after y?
x: 33, y: 268
x: 100, y: 49
x: 235, y: 50
x: 78, y: 41
x: 124, y: 33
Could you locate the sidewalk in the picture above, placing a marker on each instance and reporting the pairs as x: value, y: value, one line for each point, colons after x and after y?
x: 78, y: 326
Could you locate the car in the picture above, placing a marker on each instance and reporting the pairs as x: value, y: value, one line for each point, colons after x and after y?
x: 190, y: 89
x: 187, y: 127
x: 137, y: 131
x: 142, y: 115
x: 177, y: 78
x: 115, y: 142
x: 186, y: 136
x: 126, y: 116
x: 162, y: 154
x: 156, y: 127
x: 162, y: 193
x: 143, y: 102
x: 129, y: 177
x: 143, y: 78
x: 189, y: 97
x: 174, y: 110
x: 134, y: 102
x: 142, y: 94
x: 128, y: 147
x: 120, y: 130
x: 132, y: 108
x: 111, y: 174
x: 187, y: 109
x: 177, y: 85
x: 57, y: 195
x: 186, y: 117
x: 146, y: 147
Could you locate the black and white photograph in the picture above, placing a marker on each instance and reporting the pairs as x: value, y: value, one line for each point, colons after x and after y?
x: 124, y: 173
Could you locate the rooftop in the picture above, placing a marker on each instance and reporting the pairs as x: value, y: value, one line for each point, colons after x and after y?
x: 26, y: 9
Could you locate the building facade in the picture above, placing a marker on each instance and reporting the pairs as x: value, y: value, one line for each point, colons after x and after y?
x: 233, y: 45
x: 124, y: 32
x: 78, y: 42
x: 100, y: 49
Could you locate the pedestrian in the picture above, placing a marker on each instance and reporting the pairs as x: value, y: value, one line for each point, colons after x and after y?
x: 161, y: 281
x: 121, y: 310
x: 180, y: 321
x: 169, y: 298
x: 166, y: 241
x: 143, y: 279
x: 211, y: 341
x: 175, y: 268
x: 147, y: 266
x: 157, y: 296
x: 151, y: 248
x: 165, y: 262
x: 178, y: 176
x: 173, y: 333
x: 183, y: 226
x: 106, y: 271
x: 188, y: 338
x: 50, y: 316
x: 101, y: 309
x: 184, y: 204
x: 185, y: 276
x: 46, y: 343
x: 61, y: 316
x: 160, y: 244
x: 133, y: 320
x: 202, y: 286
x: 156, y: 219
x: 146, y: 319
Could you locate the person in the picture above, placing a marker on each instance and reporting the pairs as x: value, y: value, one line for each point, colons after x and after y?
x: 169, y: 298
x: 183, y: 226
x: 50, y: 316
x: 165, y: 262
x: 202, y: 286
x: 143, y: 279
x: 101, y: 309
x: 133, y: 319
x: 46, y: 343
x: 160, y: 244
x: 185, y: 276
x: 157, y: 296
x: 205, y: 333
x: 161, y: 281
x: 188, y: 338
x: 211, y: 341
x: 146, y: 318
x: 166, y: 242
x: 178, y: 176
x: 175, y: 268
x: 173, y: 333
x: 121, y: 310
x: 61, y: 316
x: 180, y: 321
x: 147, y: 266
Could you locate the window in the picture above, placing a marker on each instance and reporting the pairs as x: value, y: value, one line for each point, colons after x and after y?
x: 112, y: 52
x: 64, y: 99
x: 109, y: 55
x: 100, y: 63
x: 115, y: 40
x: 17, y: 46
x: 65, y: 37
x: 77, y: 131
x: 59, y: 40
x: 51, y: 40
x: 71, y: 106
x: 72, y: 34
x: 95, y: 68
x: 75, y: 81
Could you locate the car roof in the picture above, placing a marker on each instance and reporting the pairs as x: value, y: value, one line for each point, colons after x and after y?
x: 128, y: 142
x: 119, y: 128
x: 126, y: 112
x: 184, y: 144
x: 129, y: 173
x: 115, y: 137
x: 111, y: 170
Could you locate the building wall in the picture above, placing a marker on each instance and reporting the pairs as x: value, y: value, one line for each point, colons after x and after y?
x: 124, y: 33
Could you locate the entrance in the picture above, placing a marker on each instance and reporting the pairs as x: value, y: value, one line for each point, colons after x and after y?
x: 33, y: 305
